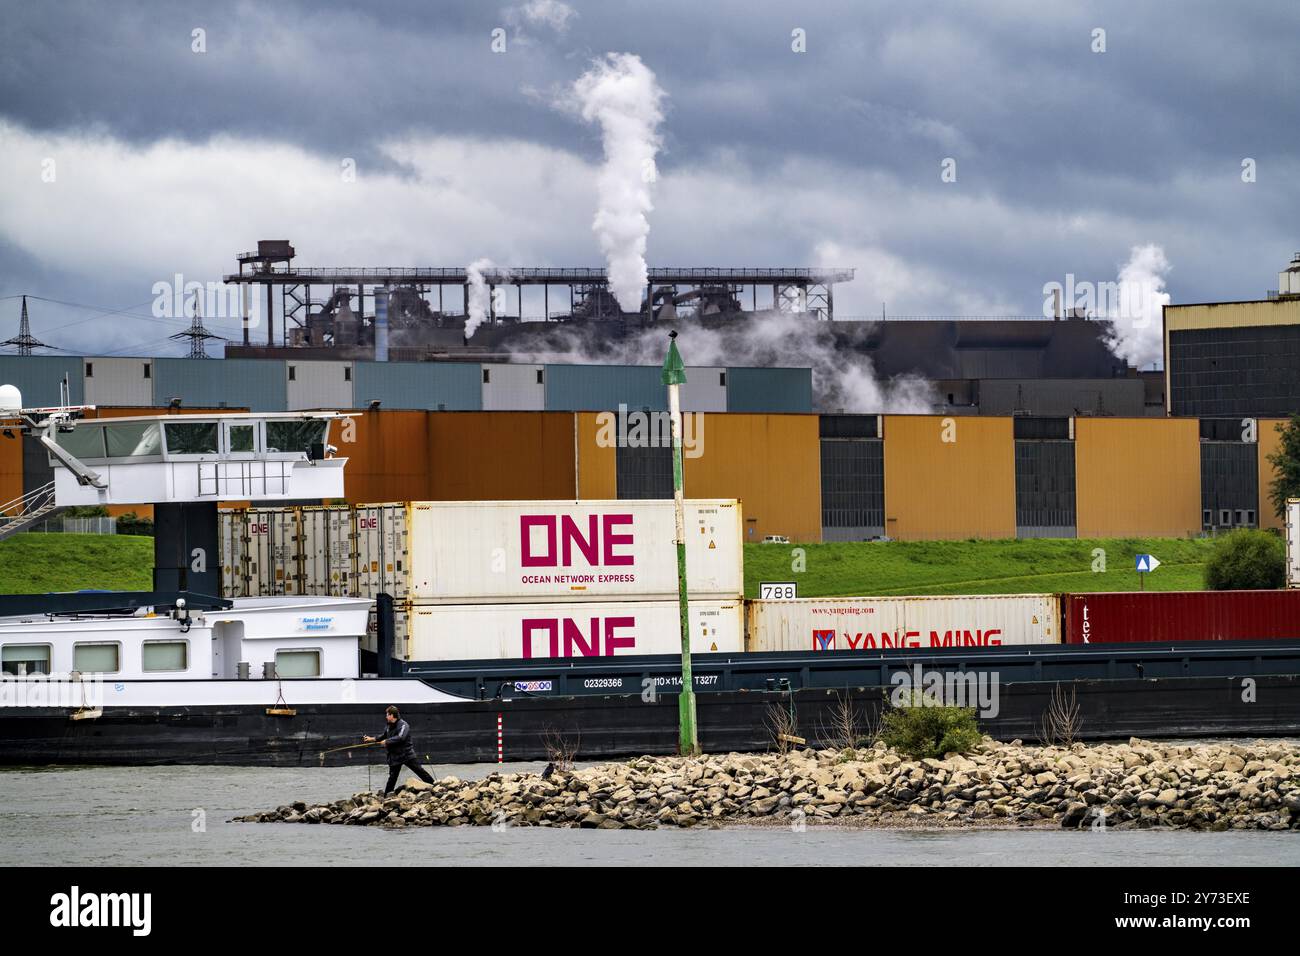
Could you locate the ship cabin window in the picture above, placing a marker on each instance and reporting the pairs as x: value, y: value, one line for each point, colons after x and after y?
x: 91, y: 441
x: 83, y: 442
x: 96, y: 657
x: 295, y: 435
x: 242, y: 437
x: 133, y: 440
x: 166, y: 655
x: 297, y: 663
x: 191, y: 438
x: 22, y: 659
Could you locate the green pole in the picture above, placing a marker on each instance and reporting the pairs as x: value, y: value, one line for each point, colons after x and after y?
x: 674, y: 375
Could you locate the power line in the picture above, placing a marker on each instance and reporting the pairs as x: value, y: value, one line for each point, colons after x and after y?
x: 24, y: 341
x: 197, y: 334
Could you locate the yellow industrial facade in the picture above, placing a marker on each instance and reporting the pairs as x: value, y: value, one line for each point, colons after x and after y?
x: 944, y: 478
x: 772, y: 463
x: 1137, y: 476
x: 1269, y: 443
x: 1224, y: 315
x: 949, y: 477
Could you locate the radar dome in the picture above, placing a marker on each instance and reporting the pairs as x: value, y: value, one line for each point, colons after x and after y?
x: 11, y: 400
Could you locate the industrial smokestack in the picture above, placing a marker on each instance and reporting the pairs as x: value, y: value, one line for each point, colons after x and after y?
x: 621, y: 94
x: 381, y: 325
x: 1288, y: 280
x: 479, y: 298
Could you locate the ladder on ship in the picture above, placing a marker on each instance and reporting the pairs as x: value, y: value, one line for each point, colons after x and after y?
x: 28, y: 510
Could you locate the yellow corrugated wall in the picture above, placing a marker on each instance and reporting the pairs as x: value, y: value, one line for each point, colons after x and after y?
x: 595, y: 464
x: 11, y: 466
x: 500, y: 456
x: 388, y: 456
x: 772, y: 463
x: 938, y: 489
x: 1269, y: 442
x: 1138, y: 476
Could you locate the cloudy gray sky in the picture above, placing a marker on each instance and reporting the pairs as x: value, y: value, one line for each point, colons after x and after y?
x: 169, y: 161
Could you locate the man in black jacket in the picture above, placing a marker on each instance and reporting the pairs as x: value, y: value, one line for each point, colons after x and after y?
x: 396, y: 739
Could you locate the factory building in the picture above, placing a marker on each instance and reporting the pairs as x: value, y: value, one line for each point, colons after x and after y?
x: 276, y: 385
x: 1236, y: 358
x: 309, y: 315
x: 817, y: 477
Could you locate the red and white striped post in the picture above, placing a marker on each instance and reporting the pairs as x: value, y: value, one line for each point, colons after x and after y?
x: 500, y: 742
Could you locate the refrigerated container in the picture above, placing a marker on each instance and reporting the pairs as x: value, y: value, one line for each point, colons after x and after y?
x: 325, y: 553
x: 887, y: 623
x: 272, y: 556
x: 508, y: 552
x: 1127, y: 617
x: 379, y: 535
x: 448, y: 632
x: 527, y: 551
x: 232, y: 540
x: 401, y: 616
x: 1293, y: 542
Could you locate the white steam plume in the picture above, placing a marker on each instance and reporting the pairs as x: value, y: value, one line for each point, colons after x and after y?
x: 480, y: 296
x: 1137, y: 331
x: 621, y: 94
x: 843, y: 376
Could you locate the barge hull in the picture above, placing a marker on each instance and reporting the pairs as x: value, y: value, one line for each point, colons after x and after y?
x: 615, y: 726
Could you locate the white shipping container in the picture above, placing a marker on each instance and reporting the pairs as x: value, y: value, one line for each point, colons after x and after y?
x: 400, y: 618
x: 521, y: 551
x: 232, y: 536
x: 1293, y: 542
x: 379, y: 535
x: 449, y: 632
x: 273, y: 551
x: 334, y: 551
x: 867, y: 624
x: 326, y: 553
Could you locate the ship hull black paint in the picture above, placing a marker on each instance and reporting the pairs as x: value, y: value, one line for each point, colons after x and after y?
x: 601, y: 727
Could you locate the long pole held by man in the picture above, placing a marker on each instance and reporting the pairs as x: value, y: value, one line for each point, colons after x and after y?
x: 399, y: 750
x: 674, y: 376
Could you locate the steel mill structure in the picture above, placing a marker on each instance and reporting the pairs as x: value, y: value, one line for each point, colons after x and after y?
x: 422, y: 311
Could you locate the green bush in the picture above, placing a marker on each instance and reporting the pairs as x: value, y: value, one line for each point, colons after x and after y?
x: 1246, y: 560
x: 131, y: 523
x: 923, y: 730
x: 86, y: 511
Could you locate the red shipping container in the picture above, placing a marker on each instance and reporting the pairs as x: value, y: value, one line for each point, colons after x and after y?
x: 1128, y: 617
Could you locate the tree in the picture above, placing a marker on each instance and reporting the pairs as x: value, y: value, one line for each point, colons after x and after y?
x: 1246, y: 560
x: 1286, y: 465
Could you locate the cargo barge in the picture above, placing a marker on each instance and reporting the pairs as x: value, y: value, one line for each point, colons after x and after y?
x: 185, y: 673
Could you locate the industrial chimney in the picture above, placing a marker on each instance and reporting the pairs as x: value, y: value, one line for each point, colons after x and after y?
x: 1288, y: 280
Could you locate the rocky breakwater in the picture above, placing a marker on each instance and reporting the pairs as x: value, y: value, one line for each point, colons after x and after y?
x: 1139, y: 784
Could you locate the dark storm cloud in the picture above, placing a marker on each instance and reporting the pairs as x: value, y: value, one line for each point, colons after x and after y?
x: 1145, y: 139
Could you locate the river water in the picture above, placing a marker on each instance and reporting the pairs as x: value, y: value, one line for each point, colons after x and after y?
x: 179, y: 815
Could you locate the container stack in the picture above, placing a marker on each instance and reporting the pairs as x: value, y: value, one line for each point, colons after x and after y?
x: 506, y: 579
x: 870, y: 624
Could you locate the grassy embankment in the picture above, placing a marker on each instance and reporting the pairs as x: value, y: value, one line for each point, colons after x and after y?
x: 977, y: 567
x: 32, y: 563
